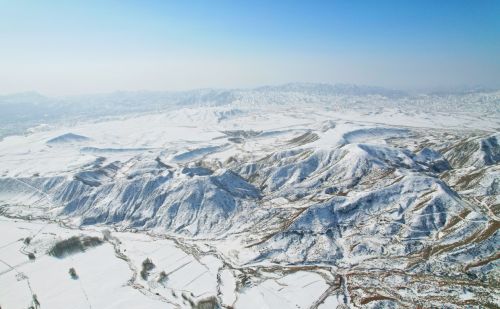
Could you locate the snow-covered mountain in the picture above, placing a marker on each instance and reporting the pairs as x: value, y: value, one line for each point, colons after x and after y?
x: 385, y: 192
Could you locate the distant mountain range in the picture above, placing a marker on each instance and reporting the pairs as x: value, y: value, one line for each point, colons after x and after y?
x: 24, y: 110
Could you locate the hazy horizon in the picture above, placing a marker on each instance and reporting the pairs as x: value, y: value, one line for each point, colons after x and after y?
x: 455, y: 89
x: 62, y: 48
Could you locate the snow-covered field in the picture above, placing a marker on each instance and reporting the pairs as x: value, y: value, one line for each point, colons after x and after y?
x: 109, y: 275
x: 300, y: 196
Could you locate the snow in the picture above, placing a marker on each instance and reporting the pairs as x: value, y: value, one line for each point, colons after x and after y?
x: 67, y: 138
x: 292, y: 291
x: 281, y: 197
x: 330, y: 302
x: 228, y: 286
x: 101, y: 275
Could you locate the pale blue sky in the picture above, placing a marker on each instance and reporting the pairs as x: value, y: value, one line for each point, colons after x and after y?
x: 69, y: 47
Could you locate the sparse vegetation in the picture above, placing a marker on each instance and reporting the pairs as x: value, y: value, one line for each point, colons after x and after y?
x: 188, y: 299
x: 73, y: 245
x: 147, y: 266
x: 73, y: 274
x: 36, y: 303
x: 208, y: 303
x: 162, y: 277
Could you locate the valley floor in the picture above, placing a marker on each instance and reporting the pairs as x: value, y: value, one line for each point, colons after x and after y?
x: 109, y: 274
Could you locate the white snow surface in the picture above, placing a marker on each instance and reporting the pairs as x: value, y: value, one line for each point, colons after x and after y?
x: 287, y: 197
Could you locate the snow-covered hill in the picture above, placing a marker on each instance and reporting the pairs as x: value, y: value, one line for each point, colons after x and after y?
x: 362, y: 190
